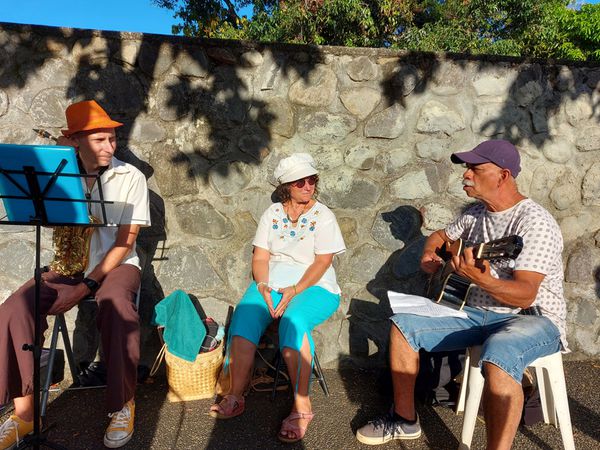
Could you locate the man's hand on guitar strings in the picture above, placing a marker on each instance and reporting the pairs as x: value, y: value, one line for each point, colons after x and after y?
x: 431, y: 262
x: 476, y: 270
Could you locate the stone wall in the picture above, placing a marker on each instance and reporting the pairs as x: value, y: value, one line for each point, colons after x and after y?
x: 207, y: 121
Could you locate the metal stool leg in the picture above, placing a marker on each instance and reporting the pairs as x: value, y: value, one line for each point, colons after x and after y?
x: 60, y: 327
x: 278, y: 359
x: 319, y: 375
x: 50, y: 367
x: 67, y: 343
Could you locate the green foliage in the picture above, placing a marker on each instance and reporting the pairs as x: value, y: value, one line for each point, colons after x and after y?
x: 354, y: 23
x: 536, y: 28
x: 582, y: 32
x: 207, y: 18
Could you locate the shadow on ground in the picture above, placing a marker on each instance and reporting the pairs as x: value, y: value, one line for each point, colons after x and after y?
x: 356, y: 397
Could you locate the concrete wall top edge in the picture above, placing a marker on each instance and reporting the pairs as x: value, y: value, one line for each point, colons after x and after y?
x: 313, y: 49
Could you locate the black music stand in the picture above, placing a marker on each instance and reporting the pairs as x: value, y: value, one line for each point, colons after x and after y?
x: 32, y: 192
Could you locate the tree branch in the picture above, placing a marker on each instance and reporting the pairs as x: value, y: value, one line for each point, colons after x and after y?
x: 233, y: 17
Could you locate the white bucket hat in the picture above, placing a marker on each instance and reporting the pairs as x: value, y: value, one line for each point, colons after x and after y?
x: 295, y: 167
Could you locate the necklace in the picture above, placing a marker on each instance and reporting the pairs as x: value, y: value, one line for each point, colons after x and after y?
x: 294, y: 222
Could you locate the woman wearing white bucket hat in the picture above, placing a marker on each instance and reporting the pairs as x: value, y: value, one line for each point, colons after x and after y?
x: 294, y: 282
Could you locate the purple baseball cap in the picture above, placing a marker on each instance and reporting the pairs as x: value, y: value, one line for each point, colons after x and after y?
x: 497, y: 151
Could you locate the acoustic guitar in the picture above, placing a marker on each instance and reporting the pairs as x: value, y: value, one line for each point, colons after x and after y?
x: 450, y: 289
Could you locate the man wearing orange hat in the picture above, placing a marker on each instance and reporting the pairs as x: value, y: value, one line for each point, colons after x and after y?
x: 112, y: 276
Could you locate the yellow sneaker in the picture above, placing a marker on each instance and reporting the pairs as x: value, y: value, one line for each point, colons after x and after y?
x: 120, y: 430
x: 12, y: 431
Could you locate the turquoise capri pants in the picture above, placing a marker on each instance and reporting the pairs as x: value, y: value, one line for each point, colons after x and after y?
x: 305, y: 311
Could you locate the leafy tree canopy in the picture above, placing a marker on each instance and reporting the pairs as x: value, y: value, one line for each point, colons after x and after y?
x: 538, y: 28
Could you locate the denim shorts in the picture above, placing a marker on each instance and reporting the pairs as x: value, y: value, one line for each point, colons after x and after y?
x: 509, y: 341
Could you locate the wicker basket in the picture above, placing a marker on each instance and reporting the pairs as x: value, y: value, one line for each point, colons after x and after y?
x: 192, y: 380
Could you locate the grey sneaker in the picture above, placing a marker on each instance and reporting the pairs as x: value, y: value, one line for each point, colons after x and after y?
x: 384, y: 429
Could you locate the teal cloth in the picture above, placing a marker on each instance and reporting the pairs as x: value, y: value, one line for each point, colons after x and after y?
x: 184, y: 330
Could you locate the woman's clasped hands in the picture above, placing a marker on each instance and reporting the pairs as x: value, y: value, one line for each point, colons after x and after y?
x: 284, y: 294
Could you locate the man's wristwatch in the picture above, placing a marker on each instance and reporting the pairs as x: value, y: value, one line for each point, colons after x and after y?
x: 92, y: 285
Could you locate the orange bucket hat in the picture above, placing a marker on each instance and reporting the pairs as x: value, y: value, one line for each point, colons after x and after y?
x: 87, y: 115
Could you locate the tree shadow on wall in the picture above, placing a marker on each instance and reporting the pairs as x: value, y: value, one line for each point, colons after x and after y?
x: 532, y: 97
x: 206, y: 95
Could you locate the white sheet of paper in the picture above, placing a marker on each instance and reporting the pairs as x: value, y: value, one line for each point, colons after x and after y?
x: 421, y: 306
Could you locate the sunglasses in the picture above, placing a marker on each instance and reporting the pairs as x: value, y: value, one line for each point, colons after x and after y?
x: 300, y: 183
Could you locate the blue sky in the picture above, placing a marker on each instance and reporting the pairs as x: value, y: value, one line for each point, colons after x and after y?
x: 120, y: 15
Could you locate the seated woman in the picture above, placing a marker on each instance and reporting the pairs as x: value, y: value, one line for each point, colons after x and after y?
x: 294, y: 282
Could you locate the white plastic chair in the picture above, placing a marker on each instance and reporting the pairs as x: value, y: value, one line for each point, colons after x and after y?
x: 553, y: 395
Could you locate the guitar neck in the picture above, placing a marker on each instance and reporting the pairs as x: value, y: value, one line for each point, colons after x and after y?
x: 485, y: 251
x: 451, y: 289
x: 480, y: 251
x: 509, y: 247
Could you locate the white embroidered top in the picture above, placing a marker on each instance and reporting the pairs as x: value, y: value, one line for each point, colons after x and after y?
x: 293, y: 249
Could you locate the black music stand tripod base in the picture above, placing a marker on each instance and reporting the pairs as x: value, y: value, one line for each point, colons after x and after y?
x: 37, y: 196
x: 39, y: 440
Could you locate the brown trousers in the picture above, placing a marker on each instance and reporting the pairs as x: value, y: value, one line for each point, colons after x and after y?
x: 117, y: 321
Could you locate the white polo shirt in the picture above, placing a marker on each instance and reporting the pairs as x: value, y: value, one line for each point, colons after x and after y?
x: 126, y: 186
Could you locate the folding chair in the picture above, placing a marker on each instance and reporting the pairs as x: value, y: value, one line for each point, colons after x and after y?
x: 60, y: 329
x: 317, y: 374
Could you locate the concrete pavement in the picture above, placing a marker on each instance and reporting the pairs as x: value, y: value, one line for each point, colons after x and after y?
x: 79, y: 421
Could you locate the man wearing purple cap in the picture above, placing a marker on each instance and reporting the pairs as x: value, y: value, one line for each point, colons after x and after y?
x: 516, y: 314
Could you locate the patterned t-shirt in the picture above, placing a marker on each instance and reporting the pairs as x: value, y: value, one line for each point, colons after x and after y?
x: 293, y: 248
x: 542, y: 253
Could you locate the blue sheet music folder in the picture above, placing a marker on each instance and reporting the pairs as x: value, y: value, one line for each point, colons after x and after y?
x: 43, y: 158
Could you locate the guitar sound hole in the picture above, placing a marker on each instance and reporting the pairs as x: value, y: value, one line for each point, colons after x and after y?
x: 455, y: 291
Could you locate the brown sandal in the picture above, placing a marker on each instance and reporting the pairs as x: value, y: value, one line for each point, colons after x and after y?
x: 229, y: 407
x: 287, y: 426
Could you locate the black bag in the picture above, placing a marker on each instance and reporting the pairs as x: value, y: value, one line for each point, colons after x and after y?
x: 436, y: 384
